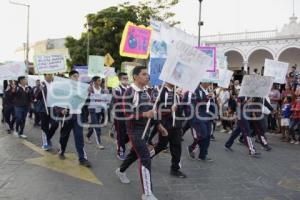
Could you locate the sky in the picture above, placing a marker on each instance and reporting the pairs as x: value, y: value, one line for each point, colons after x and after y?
x: 51, y: 19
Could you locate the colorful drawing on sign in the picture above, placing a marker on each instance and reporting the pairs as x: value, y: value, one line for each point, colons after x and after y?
x: 156, y: 66
x: 159, y: 49
x: 135, y: 41
x: 211, y: 52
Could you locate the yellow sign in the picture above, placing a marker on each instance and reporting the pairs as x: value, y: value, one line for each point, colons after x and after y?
x: 113, y: 82
x: 108, y: 60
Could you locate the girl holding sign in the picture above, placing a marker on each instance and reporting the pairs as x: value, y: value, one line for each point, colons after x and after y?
x: 96, y: 107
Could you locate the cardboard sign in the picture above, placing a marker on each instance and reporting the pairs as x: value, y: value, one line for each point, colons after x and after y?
x: 135, y: 41
x: 49, y: 64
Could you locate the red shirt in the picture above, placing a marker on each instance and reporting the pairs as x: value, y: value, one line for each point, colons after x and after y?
x: 296, y: 110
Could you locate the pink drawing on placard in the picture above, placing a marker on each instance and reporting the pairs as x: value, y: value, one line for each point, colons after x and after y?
x: 137, y: 40
x: 211, y: 52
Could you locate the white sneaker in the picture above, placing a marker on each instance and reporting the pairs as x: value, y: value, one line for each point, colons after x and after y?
x: 223, y: 131
x: 23, y: 136
x: 122, y: 176
x: 16, y: 134
x: 148, y: 197
x: 100, y: 146
x: 292, y: 141
x: 296, y: 142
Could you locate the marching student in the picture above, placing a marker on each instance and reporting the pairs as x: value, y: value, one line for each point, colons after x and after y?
x: 95, y: 110
x: 119, y: 122
x: 167, y: 105
x: 138, y: 109
x: 48, y: 123
x: 258, y: 121
x: 201, y: 123
x: 8, y: 106
x: 22, y: 100
x: 72, y: 122
x: 243, y: 127
x: 37, y: 116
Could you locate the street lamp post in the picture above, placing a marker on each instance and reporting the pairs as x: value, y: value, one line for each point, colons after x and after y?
x: 89, y: 28
x: 200, y: 23
x: 27, y: 40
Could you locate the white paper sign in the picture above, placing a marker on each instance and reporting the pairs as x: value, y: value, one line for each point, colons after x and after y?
x: 33, y: 78
x: 100, y: 100
x: 49, y: 64
x: 276, y: 69
x: 184, y: 63
x: 256, y: 86
x: 224, y: 77
x: 109, y: 71
x: 12, y: 70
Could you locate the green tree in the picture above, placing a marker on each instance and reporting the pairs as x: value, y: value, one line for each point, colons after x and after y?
x: 108, y: 25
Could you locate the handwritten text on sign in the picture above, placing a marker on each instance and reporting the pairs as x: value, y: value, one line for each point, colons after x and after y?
x: 50, y: 63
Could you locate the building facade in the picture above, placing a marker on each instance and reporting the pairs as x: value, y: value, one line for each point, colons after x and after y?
x: 248, y: 51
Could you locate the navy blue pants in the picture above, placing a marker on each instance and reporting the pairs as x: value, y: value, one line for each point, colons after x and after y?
x: 244, y: 128
x: 201, y: 131
x: 95, y: 126
x: 69, y: 125
x: 139, y: 151
x: 9, y: 116
x: 21, y: 114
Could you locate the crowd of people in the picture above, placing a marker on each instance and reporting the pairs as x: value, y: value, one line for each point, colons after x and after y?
x: 153, y: 119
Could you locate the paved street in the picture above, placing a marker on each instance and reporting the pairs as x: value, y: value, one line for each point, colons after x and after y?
x: 28, y: 173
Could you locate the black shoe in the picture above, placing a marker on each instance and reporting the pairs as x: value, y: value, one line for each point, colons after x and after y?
x: 228, y: 148
x: 255, y: 155
x: 212, y: 138
x: 207, y: 159
x: 177, y: 173
x: 85, y: 163
x: 267, y: 148
x: 62, y: 156
x: 191, y: 153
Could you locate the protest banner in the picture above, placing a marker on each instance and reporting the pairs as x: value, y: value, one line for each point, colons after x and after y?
x: 96, y: 66
x: 33, y: 78
x: 99, y: 101
x: 155, y: 68
x: 12, y: 70
x: 135, y: 41
x: 185, y: 62
x: 256, y: 86
x: 83, y: 73
x: 221, y: 60
x: 49, y: 64
x: 276, y: 69
x: 109, y: 71
x: 224, y: 78
x: 68, y: 94
x: 211, y: 52
x: 113, y: 82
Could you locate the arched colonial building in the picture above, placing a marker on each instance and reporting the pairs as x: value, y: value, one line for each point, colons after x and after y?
x: 249, y: 50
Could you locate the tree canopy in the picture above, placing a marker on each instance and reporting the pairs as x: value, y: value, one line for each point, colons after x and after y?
x: 108, y: 25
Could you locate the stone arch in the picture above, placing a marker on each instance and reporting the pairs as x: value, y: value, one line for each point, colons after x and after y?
x: 290, y: 54
x: 235, y: 58
x: 256, y: 58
